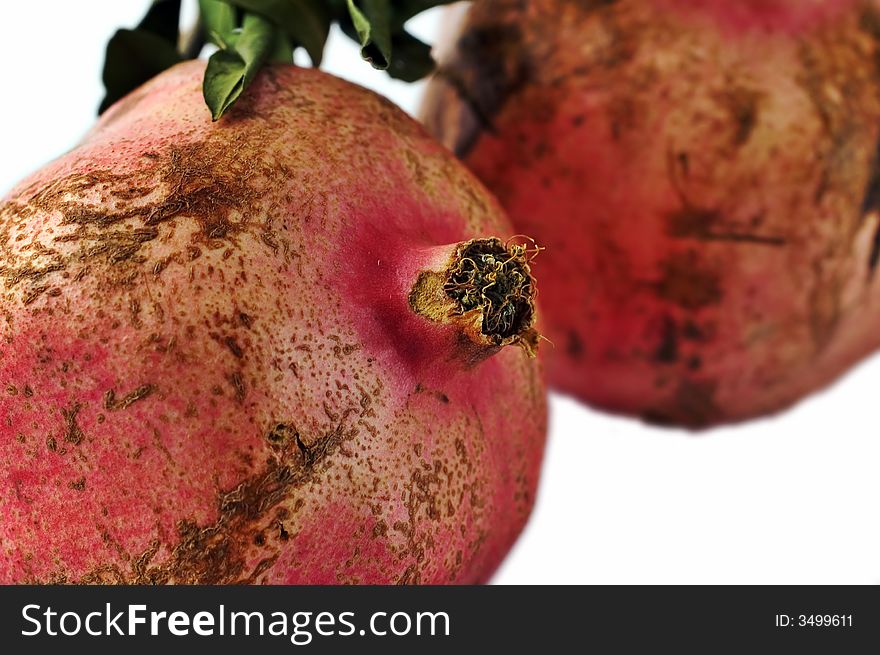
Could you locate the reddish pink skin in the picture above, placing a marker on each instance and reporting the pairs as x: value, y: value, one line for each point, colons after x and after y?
x: 737, y: 18
x: 703, y: 176
x: 289, y: 252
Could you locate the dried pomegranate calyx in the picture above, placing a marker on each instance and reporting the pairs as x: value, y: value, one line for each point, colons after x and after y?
x: 487, y: 289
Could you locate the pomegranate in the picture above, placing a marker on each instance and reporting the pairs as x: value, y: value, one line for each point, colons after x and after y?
x: 706, y: 176
x: 270, y: 349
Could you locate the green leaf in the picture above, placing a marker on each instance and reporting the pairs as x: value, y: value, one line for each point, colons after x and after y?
x: 133, y: 57
x: 306, y: 22
x: 163, y: 19
x: 231, y: 70
x: 219, y: 20
x: 373, y: 26
x: 283, y: 50
x: 412, y: 58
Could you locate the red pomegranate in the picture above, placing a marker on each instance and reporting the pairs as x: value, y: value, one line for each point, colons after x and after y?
x: 266, y: 349
x: 705, y: 175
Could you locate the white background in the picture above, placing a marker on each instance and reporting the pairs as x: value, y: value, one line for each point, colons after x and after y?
x: 788, y: 500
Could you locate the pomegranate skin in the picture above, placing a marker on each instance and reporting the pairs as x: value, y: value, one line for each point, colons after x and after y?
x: 211, y: 370
x: 705, y: 174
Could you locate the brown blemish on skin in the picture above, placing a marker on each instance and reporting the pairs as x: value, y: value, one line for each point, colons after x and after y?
x: 667, y: 350
x: 874, y: 257
x: 233, y: 346
x: 439, y: 395
x: 410, y: 576
x: 421, y: 495
x: 73, y: 433
x: 692, y: 405
x: 111, y: 403
x: 198, y: 182
x: 742, y: 104
x: 701, y: 223
x: 494, y: 66
x: 282, y: 434
x: 238, y: 386
x: 574, y: 345
x: 691, y: 331
x: 495, y: 59
x: 870, y: 206
x: 707, y: 225
x: 688, y: 282
x: 34, y: 294
x: 218, y: 553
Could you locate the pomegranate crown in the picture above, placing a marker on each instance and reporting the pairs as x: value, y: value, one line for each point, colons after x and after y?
x: 487, y: 291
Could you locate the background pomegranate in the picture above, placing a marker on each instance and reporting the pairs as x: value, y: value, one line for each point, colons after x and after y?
x: 227, y: 354
x: 705, y: 174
